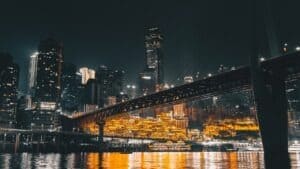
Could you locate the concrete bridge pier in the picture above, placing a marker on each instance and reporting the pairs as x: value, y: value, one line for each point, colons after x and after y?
x: 271, y: 106
x: 100, y: 124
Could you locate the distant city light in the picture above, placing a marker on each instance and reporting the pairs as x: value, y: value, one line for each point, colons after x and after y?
x: 209, y: 74
x: 262, y: 59
x: 298, y: 48
x: 146, y: 77
x: 130, y: 86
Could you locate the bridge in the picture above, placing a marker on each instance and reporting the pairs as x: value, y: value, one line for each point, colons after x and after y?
x: 234, y: 80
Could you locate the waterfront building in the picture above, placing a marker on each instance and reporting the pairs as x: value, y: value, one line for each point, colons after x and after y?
x: 9, y: 77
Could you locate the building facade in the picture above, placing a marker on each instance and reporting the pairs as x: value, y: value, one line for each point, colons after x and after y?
x: 9, y: 77
x: 110, y: 84
x: 45, y: 113
x: 154, y: 62
x: 70, y: 94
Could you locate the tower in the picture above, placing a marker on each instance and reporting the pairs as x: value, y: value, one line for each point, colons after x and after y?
x: 48, y: 85
x: 49, y: 68
x: 154, y: 61
x: 9, y: 77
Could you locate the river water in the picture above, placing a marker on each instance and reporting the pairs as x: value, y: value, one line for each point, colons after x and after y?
x: 147, y: 160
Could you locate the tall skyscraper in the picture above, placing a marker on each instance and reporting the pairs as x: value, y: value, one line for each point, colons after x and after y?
x: 152, y: 78
x: 154, y: 53
x: 9, y: 76
x: 48, y: 82
x: 70, y: 94
x: 48, y: 85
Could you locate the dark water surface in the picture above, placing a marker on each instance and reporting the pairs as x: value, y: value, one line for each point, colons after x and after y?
x: 147, y: 160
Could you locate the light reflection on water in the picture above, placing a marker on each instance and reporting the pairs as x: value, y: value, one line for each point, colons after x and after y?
x: 147, y: 160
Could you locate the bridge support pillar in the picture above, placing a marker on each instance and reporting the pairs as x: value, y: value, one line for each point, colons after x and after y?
x: 100, y: 124
x: 269, y: 92
x: 271, y: 106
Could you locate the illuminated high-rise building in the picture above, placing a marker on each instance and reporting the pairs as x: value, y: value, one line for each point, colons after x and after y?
x: 48, y: 82
x: 48, y: 85
x: 32, y: 73
x: 9, y: 76
x: 86, y: 74
x: 70, y: 94
x: 154, y: 63
x: 154, y: 54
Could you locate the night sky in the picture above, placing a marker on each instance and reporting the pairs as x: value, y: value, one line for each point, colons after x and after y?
x: 199, y: 35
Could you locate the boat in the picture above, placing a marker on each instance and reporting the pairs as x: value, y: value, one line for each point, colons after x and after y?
x: 170, y: 146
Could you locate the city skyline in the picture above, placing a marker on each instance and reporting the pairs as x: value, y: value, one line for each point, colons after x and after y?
x: 194, y: 37
x: 130, y: 77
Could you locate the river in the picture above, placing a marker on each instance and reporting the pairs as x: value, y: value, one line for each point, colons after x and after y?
x: 146, y: 160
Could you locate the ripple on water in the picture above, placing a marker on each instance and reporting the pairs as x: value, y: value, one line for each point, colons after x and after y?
x: 147, y: 160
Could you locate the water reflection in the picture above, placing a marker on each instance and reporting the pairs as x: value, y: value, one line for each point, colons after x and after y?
x: 172, y: 160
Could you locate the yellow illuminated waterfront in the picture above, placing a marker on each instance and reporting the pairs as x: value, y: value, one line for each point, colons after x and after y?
x: 171, y: 125
x: 229, y: 127
x: 161, y: 127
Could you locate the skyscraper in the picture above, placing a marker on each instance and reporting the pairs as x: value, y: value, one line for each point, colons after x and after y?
x: 70, y: 94
x: 48, y: 85
x: 9, y: 76
x: 110, y: 83
x: 154, y: 53
x: 48, y: 82
x: 152, y: 78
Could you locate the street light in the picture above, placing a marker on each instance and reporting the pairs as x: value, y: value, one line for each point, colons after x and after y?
x: 262, y: 59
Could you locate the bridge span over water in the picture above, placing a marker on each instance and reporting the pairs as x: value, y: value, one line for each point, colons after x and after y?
x: 234, y: 80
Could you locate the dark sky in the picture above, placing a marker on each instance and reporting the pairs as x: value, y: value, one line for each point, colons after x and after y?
x: 199, y: 35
